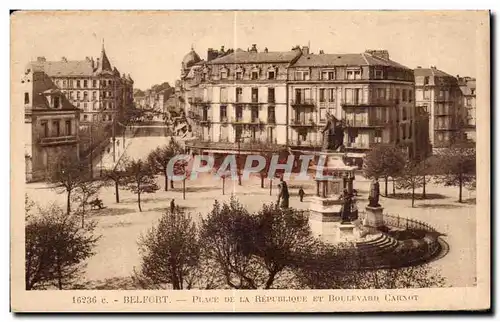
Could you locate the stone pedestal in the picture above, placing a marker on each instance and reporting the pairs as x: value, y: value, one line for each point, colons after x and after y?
x: 346, y: 232
x: 324, y: 217
x: 374, y: 217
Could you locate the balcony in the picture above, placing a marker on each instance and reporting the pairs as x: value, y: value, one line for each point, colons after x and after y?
x: 241, y: 120
x: 441, y: 112
x: 357, y: 145
x: 271, y: 120
x: 58, y: 140
x: 372, y: 102
x: 366, y: 123
x: 302, y: 102
x: 302, y: 123
x: 305, y: 143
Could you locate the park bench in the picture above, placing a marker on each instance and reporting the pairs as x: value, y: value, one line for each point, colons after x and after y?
x: 96, y: 203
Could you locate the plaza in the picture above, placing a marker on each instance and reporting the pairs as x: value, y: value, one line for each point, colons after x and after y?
x: 121, y: 225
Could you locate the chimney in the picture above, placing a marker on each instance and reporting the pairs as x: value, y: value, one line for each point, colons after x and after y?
x: 254, y: 48
x: 41, y: 59
x: 382, y: 53
x: 321, y: 52
x: 222, y: 49
x: 305, y: 50
x: 266, y: 50
x: 211, y: 54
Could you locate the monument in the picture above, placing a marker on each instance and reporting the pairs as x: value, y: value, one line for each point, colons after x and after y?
x: 374, y: 211
x: 332, y: 212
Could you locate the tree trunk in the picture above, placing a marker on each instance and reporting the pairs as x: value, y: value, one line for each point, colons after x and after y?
x: 139, y: 200
x: 413, y: 194
x: 166, y: 181
x: 393, y: 187
x: 460, y: 188
x: 270, y: 187
x: 262, y: 181
x: 270, y: 280
x: 83, y: 216
x: 116, y: 192
x: 223, y: 185
x: 184, y: 189
x: 171, y: 184
x: 239, y: 178
x: 68, y: 203
x: 386, y: 180
x: 423, y: 189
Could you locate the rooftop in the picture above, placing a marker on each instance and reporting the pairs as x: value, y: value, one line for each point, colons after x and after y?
x: 360, y: 59
x: 242, y: 57
x: 433, y: 71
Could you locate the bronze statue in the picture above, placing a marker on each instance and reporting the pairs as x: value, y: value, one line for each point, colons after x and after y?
x: 333, y: 133
x: 374, y: 196
x: 346, y: 207
x: 284, y: 196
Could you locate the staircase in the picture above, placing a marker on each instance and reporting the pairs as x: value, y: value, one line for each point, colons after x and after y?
x: 377, y: 252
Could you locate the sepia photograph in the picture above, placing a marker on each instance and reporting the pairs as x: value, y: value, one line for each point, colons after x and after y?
x: 307, y: 160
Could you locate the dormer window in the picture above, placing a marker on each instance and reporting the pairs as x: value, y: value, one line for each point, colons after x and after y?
x: 354, y: 74
x: 271, y: 75
x: 239, y: 75
x: 56, y: 102
x: 255, y: 74
x: 302, y: 75
x: 379, y: 74
x: 26, y: 98
x: 328, y: 75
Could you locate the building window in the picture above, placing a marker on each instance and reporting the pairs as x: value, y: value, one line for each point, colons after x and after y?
x: 85, y: 105
x: 410, y: 128
x: 64, y: 84
x: 327, y: 75
x: 271, y: 117
x: 94, y: 106
x: 353, y: 74
x: 94, y: 83
x: 26, y: 98
x: 68, y: 128
x: 56, y: 102
x: 379, y: 74
x: 321, y: 94
x: 85, y: 117
x: 331, y: 96
x: 78, y: 96
x: 45, y: 129
x: 322, y: 114
x: 78, y: 84
x: 223, y: 74
x: 223, y: 95
x: 239, y: 75
x: 255, y: 95
x: 398, y: 95
x: 301, y: 75
x: 85, y: 83
x: 56, y: 131
x: 426, y: 80
x: 94, y: 95
x: 85, y: 96
x: 271, y: 75
x: 410, y: 95
x: 426, y: 94
x: 403, y: 132
x: 109, y: 94
x: 270, y: 95
x: 223, y: 113
x: 110, y: 82
x: 473, y: 91
x: 239, y: 94
x: 255, y: 75
x: 377, y: 136
x: 404, y: 99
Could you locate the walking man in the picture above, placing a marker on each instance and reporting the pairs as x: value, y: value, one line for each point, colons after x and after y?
x: 301, y: 194
x: 172, y: 205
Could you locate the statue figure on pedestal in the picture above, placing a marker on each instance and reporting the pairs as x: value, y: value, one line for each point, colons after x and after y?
x: 283, y: 195
x: 346, y: 207
x: 333, y: 133
x: 374, y: 196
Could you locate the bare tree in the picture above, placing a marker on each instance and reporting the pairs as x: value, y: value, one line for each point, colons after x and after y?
x: 117, y: 176
x: 56, y: 248
x: 458, y: 167
x: 384, y: 161
x: 411, y: 178
x: 140, y: 179
x: 66, y: 175
x: 171, y: 251
x: 85, y: 190
x: 159, y: 158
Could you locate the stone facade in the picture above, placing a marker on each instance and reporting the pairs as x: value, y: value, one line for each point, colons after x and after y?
x: 468, y: 88
x: 51, y: 122
x: 439, y: 94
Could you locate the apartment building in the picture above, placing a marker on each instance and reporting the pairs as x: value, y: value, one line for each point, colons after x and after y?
x: 95, y: 87
x: 51, y: 124
x: 371, y: 94
x: 440, y: 95
x: 468, y: 88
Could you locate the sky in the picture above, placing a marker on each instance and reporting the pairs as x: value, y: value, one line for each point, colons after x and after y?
x: 150, y: 46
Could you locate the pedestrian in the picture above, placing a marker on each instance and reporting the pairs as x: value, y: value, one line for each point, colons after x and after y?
x: 301, y: 194
x: 172, y: 205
